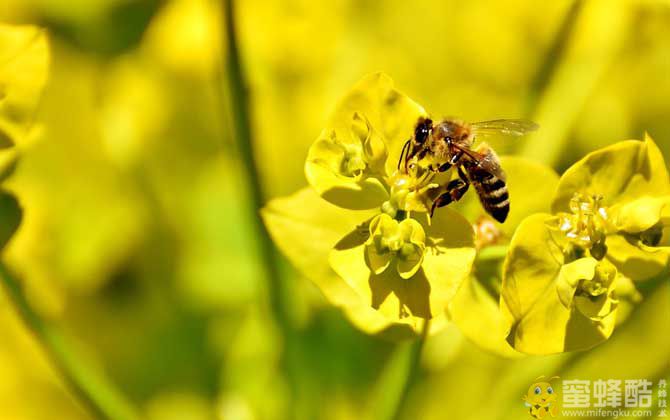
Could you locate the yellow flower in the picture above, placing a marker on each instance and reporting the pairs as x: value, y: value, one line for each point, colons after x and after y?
x: 568, y: 273
x: 369, y: 244
x: 390, y: 240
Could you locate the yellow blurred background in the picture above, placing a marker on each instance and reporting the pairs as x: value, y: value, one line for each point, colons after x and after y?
x: 137, y: 236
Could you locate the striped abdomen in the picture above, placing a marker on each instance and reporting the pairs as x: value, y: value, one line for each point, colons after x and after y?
x: 492, y: 192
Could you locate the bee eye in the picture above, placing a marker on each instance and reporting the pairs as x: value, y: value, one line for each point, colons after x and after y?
x: 538, y: 390
x: 550, y: 390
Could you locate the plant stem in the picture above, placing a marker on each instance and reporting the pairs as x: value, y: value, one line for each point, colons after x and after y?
x: 241, y: 125
x: 238, y: 114
x: 399, y: 375
x: 92, y: 388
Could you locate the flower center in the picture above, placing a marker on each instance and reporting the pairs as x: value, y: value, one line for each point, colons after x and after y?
x: 353, y: 163
x: 413, y: 191
x: 389, y: 239
x: 600, y: 283
x: 585, y: 228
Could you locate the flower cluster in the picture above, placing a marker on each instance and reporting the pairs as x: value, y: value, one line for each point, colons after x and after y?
x: 557, y: 276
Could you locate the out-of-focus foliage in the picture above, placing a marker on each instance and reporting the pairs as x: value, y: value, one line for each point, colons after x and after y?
x: 136, y: 233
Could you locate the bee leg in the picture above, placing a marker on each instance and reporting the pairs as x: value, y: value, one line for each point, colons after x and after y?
x: 444, y: 167
x: 462, y: 175
x: 456, y: 157
x: 455, y: 190
x: 404, y: 154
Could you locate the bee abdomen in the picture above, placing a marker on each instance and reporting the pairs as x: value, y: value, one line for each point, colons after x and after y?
x: 494, y: 196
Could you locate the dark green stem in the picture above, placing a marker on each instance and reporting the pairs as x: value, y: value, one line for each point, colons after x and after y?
x: 238, y: 114
x: 92, y: 388
x: 238, y: 100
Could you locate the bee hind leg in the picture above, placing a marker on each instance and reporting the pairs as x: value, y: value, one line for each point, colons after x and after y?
x: 455, y: 190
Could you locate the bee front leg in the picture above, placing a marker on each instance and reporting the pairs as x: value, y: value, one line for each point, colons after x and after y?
x: 455, y: 190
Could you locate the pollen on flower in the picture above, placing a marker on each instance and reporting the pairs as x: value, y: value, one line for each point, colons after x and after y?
x: 413, y: 191
x: 585, y: 228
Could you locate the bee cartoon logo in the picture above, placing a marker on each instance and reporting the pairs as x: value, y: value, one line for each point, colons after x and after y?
x: 541, y: 398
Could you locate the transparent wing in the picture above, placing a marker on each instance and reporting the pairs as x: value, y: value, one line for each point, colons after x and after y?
x: 513, y: 128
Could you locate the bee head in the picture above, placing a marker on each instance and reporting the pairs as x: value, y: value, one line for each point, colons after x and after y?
x: 422, y: 130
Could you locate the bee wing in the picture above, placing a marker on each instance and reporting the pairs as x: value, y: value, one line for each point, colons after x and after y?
x: 514, y: 128
x: 488, y: 160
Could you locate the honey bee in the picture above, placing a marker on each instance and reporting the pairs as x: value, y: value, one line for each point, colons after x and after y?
x: 449, y: 143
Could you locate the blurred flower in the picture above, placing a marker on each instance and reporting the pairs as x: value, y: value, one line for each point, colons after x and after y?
x: 404, y: 269
x: 566, y: 274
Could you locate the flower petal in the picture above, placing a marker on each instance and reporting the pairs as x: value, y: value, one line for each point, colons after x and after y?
x: 620, y: 173
x: 570, y: 275
x: 408, y: 265
x: 345, y: 188
x: 377, y: 262
x: 635, y: 260
x: 641, y: 214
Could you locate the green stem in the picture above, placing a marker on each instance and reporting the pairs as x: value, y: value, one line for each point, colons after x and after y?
x: 92, y: 388
x: 238, y: 99
x: 399, y: 376
x: 238, y: 114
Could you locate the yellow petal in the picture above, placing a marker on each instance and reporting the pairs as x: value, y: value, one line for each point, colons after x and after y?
x: 332, y: 176
x: 570, y: 275
x: 620, y: 173
x: 640, y: 214
x: 634, y: 260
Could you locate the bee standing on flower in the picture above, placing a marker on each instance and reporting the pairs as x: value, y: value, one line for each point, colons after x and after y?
x: 449, y: 144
